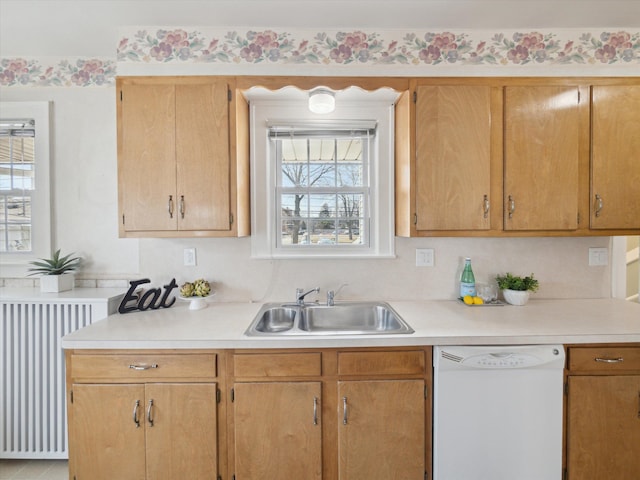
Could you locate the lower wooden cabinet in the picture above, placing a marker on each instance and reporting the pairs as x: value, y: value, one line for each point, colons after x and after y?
x: 155, y: 426
x: 278, y: 432
x: 331, y: 414
x: 381, y: 429
x: 603, y: 413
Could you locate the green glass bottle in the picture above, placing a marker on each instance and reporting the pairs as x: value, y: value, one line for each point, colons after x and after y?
x: 467, y: 280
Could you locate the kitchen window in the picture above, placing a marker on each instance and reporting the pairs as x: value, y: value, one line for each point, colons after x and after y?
x: 322, y: 186
x: 24, y: 182
x: 322, y: 190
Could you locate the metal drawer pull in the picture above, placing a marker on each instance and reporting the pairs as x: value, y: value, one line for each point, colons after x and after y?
x: 181, y: 206
x: 170, y: 206
x: 344, y: 409
x: 512, y: 206
x: 315, y: 410
x: 486, y: 206
x: 599, y: 205
x: 149, y: 417
x: 143, y: 367
x: 136, y: 420
x: 609, y: 360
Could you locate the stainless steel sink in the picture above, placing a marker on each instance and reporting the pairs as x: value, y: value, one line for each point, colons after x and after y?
x: 344, y: 318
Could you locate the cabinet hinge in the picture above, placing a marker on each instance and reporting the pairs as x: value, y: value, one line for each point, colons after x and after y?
x: 233, y: 395
x: 415, y: 97
x: 218, y: 395
x: 229, y: 94
x: 231, y: 219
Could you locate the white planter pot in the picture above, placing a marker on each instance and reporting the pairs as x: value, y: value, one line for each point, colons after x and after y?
x: 57, y: 283
x: 516, y: 297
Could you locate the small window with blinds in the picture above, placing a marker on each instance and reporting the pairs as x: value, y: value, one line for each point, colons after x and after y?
x: 17, y: 184
x: 322, y: 186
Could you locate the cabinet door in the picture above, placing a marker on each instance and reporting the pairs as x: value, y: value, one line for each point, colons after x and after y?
x: 615, y: 160
x: 146, y: 158
x: 277, y: 431
x: 105, y: 439
x: 453, y: 154
x: 541, y: 144
x: 181, y: 431
x: 381, y: 430
x: 603, y: 430
x: 202, y: 154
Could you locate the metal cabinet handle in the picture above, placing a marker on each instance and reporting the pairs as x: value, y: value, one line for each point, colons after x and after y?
x: 512, y: 206
x: 136, y: 420
x: 143, y: 367
x: 315, y: 410
x: 344, y: 410
x: 638, y: 404
x: 599, y: 205
x: 485, y: 206
x: 609, y: 360
x: 181, y: 206
x: 170, y: 206
x: 149, y: 416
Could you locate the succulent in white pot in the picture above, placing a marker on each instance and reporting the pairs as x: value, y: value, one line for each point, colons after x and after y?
x: 516, y: 289
x: 56, y: 272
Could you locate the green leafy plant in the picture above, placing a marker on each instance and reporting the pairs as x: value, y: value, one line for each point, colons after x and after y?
x: 514, y: 282
x: 56, y: 265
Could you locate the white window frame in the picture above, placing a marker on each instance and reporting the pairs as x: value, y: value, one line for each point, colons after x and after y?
x: 264, y: 175
x: 15, y: 264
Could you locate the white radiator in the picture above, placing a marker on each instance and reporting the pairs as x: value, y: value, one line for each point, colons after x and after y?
x: 33, y: 418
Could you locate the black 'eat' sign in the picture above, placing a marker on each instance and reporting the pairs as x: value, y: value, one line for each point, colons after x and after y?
x: 151, y: 299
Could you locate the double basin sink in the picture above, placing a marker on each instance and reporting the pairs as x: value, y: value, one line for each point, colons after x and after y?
x: 344, y: 318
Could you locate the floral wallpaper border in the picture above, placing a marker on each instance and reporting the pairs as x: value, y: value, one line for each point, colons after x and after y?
x: 342, y: 49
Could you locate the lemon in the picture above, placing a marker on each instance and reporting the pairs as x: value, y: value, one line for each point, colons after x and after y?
x: 478, y: 301
x: 468, y: 299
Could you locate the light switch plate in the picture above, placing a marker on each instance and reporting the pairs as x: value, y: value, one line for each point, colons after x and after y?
x: 425, y: 257
x: 189, y: 257
x: 598, y: 256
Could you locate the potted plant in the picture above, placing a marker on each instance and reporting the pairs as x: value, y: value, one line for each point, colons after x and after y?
x: 516, y: 289
x: 57, y: 272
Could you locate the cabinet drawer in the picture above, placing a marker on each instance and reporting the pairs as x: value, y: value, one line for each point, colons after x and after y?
x: 132, y: 367
x: 604, y: 359
x: 381, y: 363
x: 277, y: 364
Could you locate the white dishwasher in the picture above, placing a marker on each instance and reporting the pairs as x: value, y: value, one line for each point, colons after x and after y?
x: 498, y: 412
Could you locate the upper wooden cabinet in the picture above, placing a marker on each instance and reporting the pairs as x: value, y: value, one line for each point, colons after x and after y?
x: 518, y: 157
x: 541, y: 157
x: 453, y: 157
x: 615, y: 157
x: 182, y: 160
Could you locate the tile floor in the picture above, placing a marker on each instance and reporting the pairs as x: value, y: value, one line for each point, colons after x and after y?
x: 34, y: 470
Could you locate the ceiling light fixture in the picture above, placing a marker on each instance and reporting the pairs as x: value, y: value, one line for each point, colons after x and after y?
x: 322, y: 100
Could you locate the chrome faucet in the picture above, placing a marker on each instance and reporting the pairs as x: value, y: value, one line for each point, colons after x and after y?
x: 300, y: 294
x: 332, y: 294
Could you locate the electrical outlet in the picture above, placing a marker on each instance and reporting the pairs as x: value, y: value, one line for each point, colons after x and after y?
x: 425, y: 257
x: 189, y: 257
x: 598, y: 256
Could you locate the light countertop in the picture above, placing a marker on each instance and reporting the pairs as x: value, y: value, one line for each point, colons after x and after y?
x: 445, y: 322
